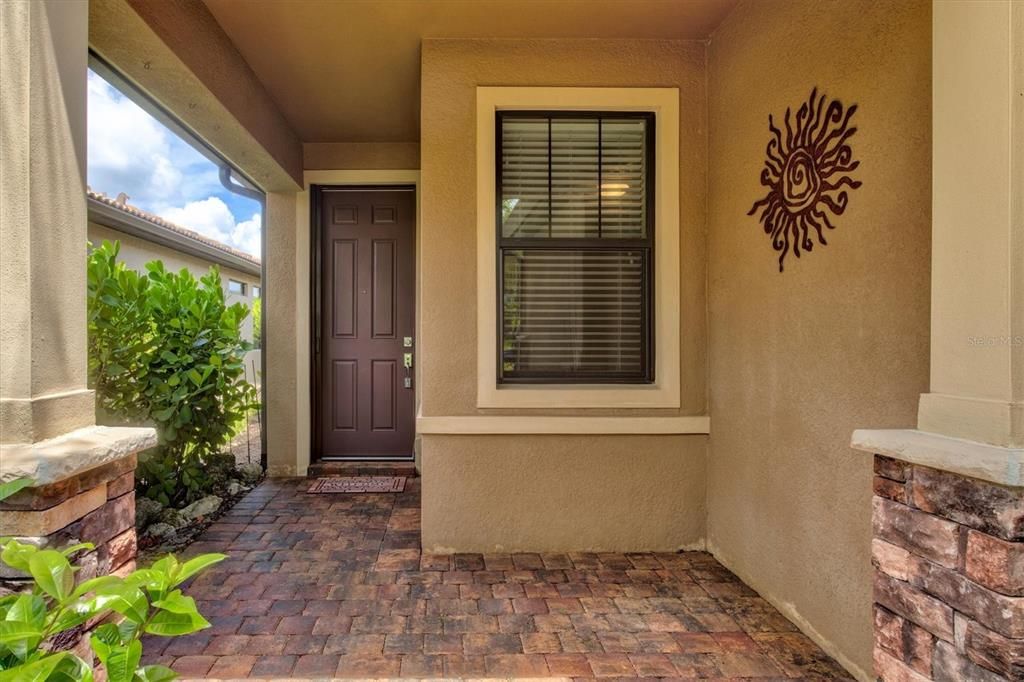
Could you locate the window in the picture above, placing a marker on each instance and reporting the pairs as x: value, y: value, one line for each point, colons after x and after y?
x: 575, y: 242
x: 256, y: 292
x: 661, y: 388
x: 235, y: 287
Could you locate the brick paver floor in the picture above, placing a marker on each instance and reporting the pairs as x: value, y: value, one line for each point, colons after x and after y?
x: 336, y: 586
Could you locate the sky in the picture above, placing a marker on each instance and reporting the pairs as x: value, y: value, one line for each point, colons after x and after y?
x: 132, y: 152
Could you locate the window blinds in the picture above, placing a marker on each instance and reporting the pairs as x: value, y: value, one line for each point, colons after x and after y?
x: 574, y: 248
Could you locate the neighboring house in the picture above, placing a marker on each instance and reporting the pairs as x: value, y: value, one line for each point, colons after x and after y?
x: 145, y: 237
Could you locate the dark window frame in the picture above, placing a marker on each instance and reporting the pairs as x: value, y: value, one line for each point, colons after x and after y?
x: 242, y: 287
x: 646, y: 245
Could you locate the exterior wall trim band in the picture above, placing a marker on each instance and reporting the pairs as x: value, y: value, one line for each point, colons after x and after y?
x: 500, y: 424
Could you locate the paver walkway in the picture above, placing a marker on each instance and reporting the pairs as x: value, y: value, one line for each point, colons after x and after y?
x: 336, y: 586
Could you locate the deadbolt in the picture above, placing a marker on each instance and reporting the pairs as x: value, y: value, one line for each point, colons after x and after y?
x: 407, y: 342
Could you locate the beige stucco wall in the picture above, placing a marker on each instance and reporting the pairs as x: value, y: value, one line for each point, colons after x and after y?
x: 558, y: 493
x: 361, y: 155
x: 474, y: 486
x: 42, y: 222
x: 977, y: 371
x: 284, y: 321
x: 840, y: 339
x: 451, y: 70
x: 135, y: 253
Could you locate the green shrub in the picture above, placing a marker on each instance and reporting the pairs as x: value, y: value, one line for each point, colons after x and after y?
x: 165, y: 348
x: 257, y: 318
x: 147, y: 601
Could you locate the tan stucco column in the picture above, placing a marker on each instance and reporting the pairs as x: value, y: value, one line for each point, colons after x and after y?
x: 286, y: 319
x: 82, y: 486
x: 977, y: 339
x: 971, y: 422
x: 43, y: 220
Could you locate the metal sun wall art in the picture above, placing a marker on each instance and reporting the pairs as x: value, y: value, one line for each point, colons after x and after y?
x: 805, y: 171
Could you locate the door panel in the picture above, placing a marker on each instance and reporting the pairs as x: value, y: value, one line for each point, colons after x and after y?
x: 344, y: 286
x: 384, y: 303
x: 366, y: 408
x: 344, y: 378
x: 382, y: 418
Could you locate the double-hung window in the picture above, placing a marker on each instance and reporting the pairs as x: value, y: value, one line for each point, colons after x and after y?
x: 575, y: 246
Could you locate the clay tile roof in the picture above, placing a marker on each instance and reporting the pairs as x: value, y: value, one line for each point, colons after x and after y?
x: 121, y: 203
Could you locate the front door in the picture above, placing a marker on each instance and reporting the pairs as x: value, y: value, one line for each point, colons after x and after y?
x: 367, y: 323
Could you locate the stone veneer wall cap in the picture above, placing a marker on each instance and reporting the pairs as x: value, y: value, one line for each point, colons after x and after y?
x: 59, y: 458
x: 1001, y: 465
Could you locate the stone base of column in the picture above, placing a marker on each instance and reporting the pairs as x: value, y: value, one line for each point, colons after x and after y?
x: 84, y: 492
x: 948, y: 550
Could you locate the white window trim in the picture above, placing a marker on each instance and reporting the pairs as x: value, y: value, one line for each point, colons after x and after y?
x: 664, y: 392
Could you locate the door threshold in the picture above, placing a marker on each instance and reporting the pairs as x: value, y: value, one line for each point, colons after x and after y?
x: 379, y: 467
x: 368, y: 458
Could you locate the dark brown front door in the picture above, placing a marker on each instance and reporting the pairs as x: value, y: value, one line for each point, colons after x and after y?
x: 367, y: 313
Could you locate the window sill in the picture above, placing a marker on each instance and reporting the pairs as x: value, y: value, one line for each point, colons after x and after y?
x: 578, y: 396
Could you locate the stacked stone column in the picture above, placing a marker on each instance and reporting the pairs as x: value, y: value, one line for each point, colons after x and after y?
x: 949, y: 581
x: 96, y: 506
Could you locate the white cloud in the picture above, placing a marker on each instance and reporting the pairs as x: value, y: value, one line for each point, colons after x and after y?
x: 213, y: 218
x: 131, y: 152
x: 246, y: 235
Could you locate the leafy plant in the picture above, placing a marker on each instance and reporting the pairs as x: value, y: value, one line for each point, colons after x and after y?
x: 148, y: 601
x: 164, y: 347
x: 257, y: 319
x: 10, y: 487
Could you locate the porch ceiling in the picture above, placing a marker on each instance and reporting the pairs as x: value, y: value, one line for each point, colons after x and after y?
x: 349, y: 71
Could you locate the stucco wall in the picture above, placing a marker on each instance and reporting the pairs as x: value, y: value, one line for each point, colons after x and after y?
x: 361, y: 155
x: 42, y: 222
x: 556, y: 493
x: 840, y: 339
x: 977, y: 372
x: 475, y: 486
x: 284, y: 323
x: 452, y: 69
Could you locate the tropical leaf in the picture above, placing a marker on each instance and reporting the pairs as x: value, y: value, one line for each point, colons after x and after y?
x: 19, y: 637
x: 10, y: 487
x: 155, y: 673
x: 194, y: 566
x: 127, y: 600
x: 40, y: 670
x: 170, y: 624
x: 53, y: 573
x: 28, y: 608
x: 16, y: 555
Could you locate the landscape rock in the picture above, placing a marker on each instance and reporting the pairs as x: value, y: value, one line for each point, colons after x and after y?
x: 146, y: 511
x: 172, y: 517
x: 250, y: 472
x: 161, y: 530
x: 204, y: 507
x: 236, y: 488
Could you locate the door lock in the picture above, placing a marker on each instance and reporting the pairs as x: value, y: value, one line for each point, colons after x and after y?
x: 407, y: 363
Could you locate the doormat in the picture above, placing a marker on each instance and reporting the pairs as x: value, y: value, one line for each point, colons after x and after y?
x: 359, y: 484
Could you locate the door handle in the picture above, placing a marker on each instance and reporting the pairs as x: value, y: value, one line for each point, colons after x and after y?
x: 407, y: 360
